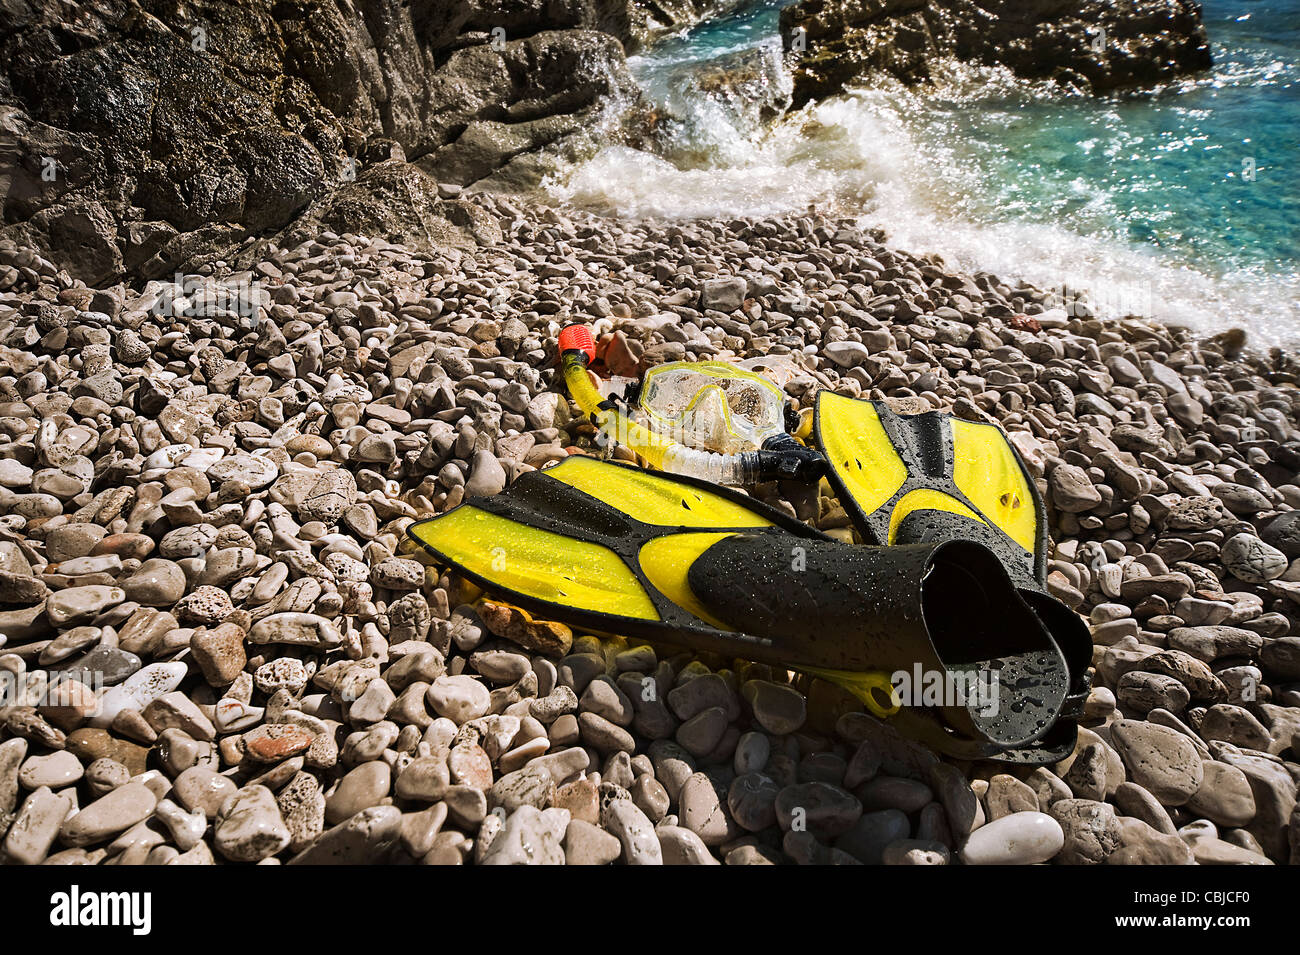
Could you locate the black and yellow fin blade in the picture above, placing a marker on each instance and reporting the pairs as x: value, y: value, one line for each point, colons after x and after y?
x: 603, y: 545
x: 513, y: 557
x: 931, y: 477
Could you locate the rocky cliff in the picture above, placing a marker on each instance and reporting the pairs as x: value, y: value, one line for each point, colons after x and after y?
x: 134, y: 134
x: 1096, y: 45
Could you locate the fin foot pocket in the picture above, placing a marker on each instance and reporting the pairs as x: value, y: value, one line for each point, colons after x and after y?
x: 948, y: 608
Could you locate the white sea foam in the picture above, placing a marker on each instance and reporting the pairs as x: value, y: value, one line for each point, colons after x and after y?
x: 882, y: 155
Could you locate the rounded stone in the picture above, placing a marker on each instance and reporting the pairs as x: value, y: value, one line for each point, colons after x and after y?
x: 1224, y: 797
x: 1140, y: 692
x: 139, y: 690
x: 250, y: 827
x: 1283, y: 533
x: 777, y: 708
x: 107, y: 666
x: 1251, y: 560
x: 700, y: 809
x: 487, y: 477
x: 125, y: 546
x: 296, y: 629
x: 701, y: 734
x: 363, y: 786
x: 157, y: 583
x: 80, y: 604
x: 219, y: 653
x: 206, y: 606
x: 1161, y: 760
x: 73, y: 540
x: 1021, y: 838
x: 752, y: 801
x: 1091, y: 828
x: 823, y: 809
x: 56, y: 770
x: 228, y: 565
x: 253, y: 470
x: 892, y: 792
x: 109, y: 814
x: 204, y: 789
x: 459, y: 698
x: 1281, y: 658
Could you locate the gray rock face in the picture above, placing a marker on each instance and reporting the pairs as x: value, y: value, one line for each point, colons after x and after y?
x: 186, y: 113
x: 1086, y: 44
x: 646, y: 21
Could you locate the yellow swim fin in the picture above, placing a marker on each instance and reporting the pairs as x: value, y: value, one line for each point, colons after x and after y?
x: 617, y: 549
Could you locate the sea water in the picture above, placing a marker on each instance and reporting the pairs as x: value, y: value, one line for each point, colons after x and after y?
x: 1180, y: 203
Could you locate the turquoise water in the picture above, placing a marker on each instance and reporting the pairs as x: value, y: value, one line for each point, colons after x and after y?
x: 1171, y: 170
x: 1149, y: 201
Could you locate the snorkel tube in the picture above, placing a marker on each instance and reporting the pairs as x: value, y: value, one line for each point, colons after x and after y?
x: 780, y: 458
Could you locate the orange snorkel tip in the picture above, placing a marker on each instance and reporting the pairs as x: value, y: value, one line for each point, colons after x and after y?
x: 578, y: 338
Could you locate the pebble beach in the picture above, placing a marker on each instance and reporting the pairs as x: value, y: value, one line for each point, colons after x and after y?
x: 218, y: 647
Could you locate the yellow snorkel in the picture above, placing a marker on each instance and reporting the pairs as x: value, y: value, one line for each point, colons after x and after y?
x: 577, y: 351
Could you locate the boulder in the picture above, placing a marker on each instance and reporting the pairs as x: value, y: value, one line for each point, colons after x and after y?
x: 1093, y: 45
x: 155, y: 140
